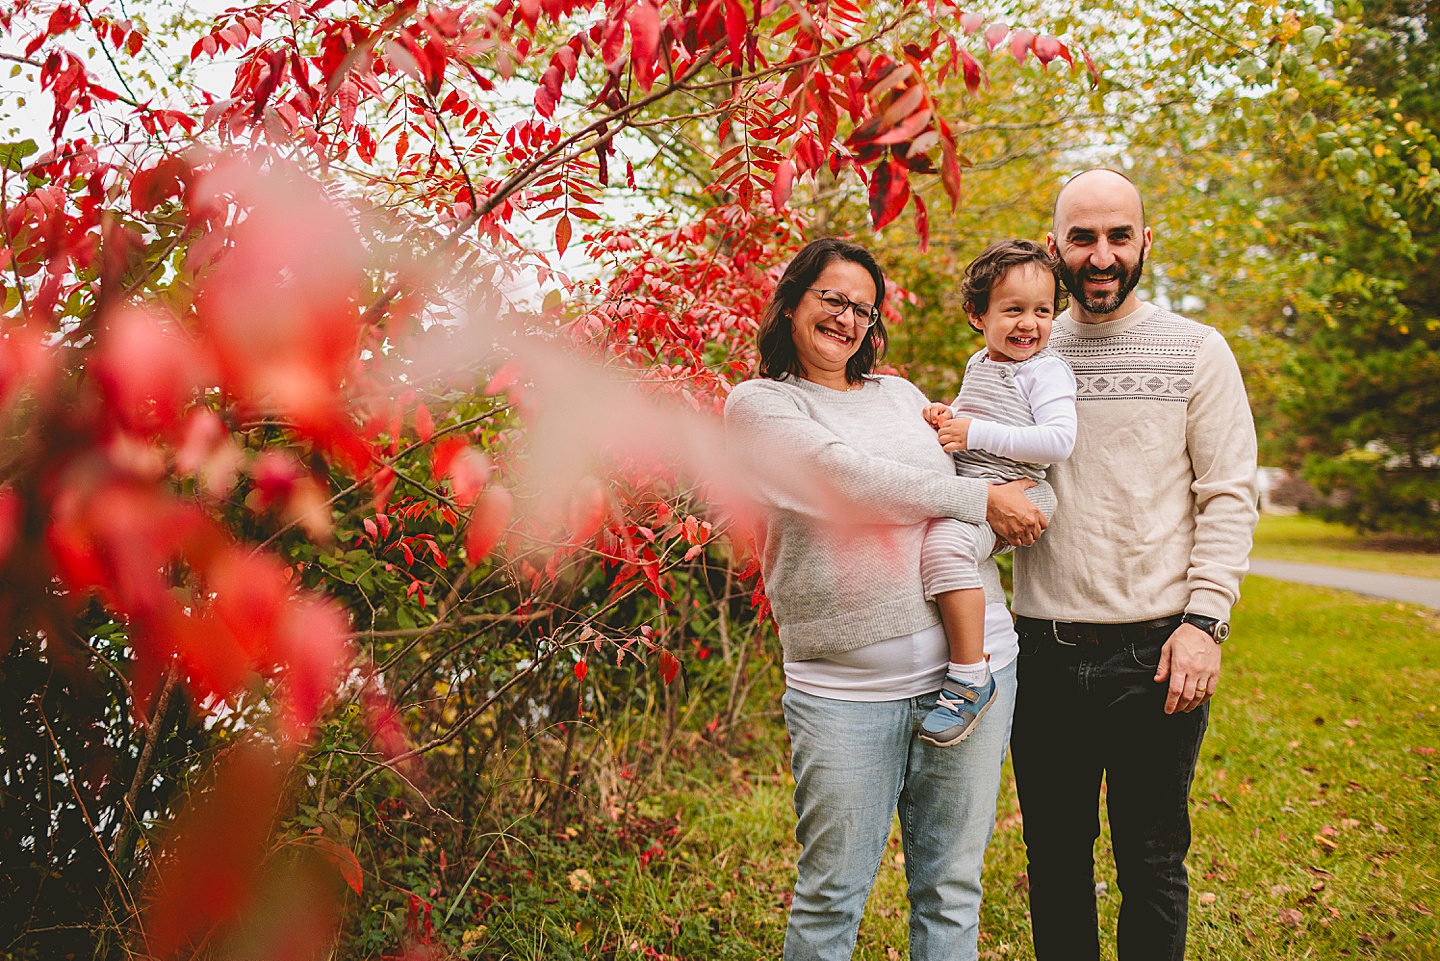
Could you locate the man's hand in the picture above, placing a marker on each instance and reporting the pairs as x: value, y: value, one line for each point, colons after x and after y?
x: 1012, y: 516
x: 955, y: 434
x: 1190, y: 660
x: 937, y: 414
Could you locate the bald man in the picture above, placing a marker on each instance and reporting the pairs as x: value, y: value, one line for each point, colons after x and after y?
x: 1124, y: 603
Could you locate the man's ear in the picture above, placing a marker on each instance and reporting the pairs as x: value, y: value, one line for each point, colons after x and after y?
x: 1055, y: 250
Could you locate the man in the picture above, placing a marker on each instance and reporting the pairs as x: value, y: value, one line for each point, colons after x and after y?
x: 1123, y: 604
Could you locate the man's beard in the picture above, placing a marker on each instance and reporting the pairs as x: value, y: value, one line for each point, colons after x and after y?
x: 1075, y: 283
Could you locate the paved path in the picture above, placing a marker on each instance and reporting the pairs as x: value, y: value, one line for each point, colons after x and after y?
x: 1423, y: 591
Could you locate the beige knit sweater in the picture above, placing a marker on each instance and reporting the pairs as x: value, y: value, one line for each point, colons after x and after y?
x: 1158, y: 501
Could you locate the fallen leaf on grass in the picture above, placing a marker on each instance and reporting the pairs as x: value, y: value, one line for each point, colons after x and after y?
x: 1207, y: 898
x: 1290, y: 917
x: 1424, y: 750
x: 1326, y: 843
x: 1348, y: 823
x: 1352, y: 722
x: 892, y: 955
x: 1317, y: 885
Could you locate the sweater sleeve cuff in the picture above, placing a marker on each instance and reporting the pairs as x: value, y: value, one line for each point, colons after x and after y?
x: 969, y: 500
x: 1209, y: 604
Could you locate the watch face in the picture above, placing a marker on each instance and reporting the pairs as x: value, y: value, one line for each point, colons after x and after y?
x: 1222, y: 631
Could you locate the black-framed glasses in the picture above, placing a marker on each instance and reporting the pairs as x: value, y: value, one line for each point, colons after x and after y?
x: 836, y: 303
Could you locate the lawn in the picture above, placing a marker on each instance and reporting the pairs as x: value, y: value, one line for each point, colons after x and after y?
x: 1309, y: 540
x: 1315, y: 813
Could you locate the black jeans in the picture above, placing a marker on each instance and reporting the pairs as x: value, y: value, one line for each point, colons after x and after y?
x: 1086, y: 711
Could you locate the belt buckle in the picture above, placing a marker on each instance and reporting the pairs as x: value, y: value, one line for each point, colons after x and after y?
x: 1055, y: 630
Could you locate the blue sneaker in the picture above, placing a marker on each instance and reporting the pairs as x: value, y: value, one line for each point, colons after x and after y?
x: 958, y: 709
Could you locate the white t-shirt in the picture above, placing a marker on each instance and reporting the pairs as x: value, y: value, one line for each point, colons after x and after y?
x: 906, y: 666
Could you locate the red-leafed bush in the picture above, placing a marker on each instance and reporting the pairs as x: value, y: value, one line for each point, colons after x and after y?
x: 356, y: 420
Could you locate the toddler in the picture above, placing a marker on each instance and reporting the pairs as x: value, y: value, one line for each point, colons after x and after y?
x: 1014, y: 416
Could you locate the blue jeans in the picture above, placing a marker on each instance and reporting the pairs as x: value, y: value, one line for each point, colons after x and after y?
x: 1087, y: 712
x: 856, y: 763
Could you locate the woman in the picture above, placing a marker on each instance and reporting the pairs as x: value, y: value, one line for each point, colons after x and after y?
x: 848, y: 473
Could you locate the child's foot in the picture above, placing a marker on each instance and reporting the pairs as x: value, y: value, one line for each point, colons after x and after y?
x: 957, y: 710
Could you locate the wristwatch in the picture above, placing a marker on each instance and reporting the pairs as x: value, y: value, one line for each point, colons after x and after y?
x: 1216, y: 628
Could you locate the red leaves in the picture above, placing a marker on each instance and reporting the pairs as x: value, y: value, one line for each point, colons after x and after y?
x: 1020, y: 43
x: 206, y: 872
x: 148, y: 370
x: 1048, y: 48
x: 154, y: 185
x: 467, y: 468
x: 283, y: 345
x: 922, y: 224
x: 736, y: 24
x: 889, y: 192
x: 547, y: 95
x: 644, y: 21
x: 669, y: 667
x: 973, y: 73
x: 488, y: 522
x: 562, y: 234
x: 581, y: 669
x: 784, y: 183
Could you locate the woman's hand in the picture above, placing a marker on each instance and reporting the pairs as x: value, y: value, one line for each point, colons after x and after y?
x: 954, y: 434
x: 1012, y: 516
x: 937, y: 414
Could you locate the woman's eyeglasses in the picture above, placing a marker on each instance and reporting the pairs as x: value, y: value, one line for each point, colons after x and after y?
x: 836, y: 303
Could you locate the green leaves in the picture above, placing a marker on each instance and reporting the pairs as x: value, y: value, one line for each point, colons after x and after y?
x: 12, y: 155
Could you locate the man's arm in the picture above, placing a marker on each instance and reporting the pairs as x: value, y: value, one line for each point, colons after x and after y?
x: 1220, y: 437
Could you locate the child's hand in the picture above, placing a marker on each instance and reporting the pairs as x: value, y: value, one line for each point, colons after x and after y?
x: 955, y: 434
x: 937, y: 414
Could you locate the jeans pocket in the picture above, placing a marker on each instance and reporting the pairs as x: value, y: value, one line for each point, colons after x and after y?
x: 1146, y: 653
x: 1030, y: 642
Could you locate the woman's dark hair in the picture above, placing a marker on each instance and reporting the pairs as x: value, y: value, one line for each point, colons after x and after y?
x: 777, y: 342
x: 997, y: 260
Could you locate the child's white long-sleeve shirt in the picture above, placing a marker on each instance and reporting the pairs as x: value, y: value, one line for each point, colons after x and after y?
x: 1047, y: 384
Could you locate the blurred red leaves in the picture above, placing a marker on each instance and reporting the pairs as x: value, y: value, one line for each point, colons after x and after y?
x: 285, y: 344
x: 488, y: 522
x: 208, y: 867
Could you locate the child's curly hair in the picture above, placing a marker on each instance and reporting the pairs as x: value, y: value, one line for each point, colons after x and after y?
x: 997, y: 260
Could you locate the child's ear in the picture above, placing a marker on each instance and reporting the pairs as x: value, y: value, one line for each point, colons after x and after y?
x: 975, y: 323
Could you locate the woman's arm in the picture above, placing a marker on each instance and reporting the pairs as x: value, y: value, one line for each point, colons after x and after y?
x: 794, y: 463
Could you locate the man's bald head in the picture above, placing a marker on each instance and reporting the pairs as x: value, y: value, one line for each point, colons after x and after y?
x: 1097, y: 180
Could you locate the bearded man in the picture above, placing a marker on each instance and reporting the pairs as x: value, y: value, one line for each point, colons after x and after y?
x: 1123, y: 604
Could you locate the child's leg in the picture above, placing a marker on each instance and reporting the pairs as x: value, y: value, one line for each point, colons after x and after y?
x: 963, y: 614
x: 949, y: 570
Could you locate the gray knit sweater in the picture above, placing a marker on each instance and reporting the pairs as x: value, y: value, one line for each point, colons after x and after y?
x: 848, y: 480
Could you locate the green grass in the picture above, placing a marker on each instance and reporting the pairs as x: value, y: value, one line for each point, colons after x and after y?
x: 1309, y: 540
x: 1317, y: 793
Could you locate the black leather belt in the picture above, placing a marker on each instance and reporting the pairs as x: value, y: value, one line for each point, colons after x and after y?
x: 1076, y: 634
